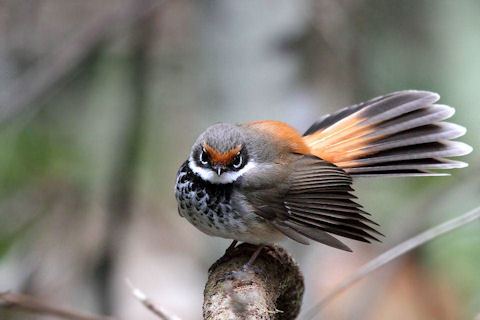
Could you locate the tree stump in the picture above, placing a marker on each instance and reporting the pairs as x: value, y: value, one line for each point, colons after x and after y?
x: 272, y: 288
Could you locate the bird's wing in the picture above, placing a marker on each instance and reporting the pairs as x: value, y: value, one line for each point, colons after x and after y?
x: 313, y: 202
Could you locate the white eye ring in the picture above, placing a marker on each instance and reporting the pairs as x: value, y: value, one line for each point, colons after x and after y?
x: 203, y: 157
x: 239, y: 164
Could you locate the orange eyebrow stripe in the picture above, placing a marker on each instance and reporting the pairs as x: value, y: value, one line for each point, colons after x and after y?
x: 222, y: 158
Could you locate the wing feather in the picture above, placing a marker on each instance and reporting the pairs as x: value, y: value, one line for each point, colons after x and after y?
x: 315, y: 234
x: 315, y: 204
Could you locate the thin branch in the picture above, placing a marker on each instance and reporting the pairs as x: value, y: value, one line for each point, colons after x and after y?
x: 394, y: 253
x: 156, y: 310
x: 36, y: 83
x: 408, y: 226
x: 30, y: 304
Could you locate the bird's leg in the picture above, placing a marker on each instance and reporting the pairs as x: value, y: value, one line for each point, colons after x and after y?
x: 227, y: 255
x: 253, y: 258
x: 231, y: 247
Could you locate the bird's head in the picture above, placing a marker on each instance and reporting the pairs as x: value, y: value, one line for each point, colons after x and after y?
x: 220, y: 154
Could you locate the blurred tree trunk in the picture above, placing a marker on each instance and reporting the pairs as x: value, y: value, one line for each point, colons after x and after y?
x: 243, y: 67
x: 123, y: 179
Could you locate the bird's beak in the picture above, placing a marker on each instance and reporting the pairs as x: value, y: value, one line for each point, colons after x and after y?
x: 220, y: 170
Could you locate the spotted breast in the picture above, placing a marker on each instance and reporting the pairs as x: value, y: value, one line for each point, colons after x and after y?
x: 216, y: 210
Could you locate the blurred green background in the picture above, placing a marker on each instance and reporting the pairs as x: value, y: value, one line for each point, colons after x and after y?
x: 100, y: 102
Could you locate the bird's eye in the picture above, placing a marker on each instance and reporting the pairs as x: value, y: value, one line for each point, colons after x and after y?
x: 237, y: 161
x: 203, y: 157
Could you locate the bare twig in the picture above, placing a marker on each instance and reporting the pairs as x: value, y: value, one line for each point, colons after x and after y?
x: 156, y: 310
x: 36, y: 83
x: 30, y: 304
x: 410, y: 224
x: 270, y: 289
x: 394, y: 253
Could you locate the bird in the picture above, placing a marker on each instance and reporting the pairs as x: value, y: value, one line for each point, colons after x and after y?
x: 263, y: 181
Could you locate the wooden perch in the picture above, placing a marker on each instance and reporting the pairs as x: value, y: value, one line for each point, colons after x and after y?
x: 271, y: 289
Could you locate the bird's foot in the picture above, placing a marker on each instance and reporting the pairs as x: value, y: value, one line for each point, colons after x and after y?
x: 247, y: 266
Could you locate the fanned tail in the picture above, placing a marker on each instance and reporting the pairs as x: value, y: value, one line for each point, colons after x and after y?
x: 399, y: 134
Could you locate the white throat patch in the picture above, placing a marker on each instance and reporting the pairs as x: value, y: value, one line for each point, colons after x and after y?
x: 224, y: 178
